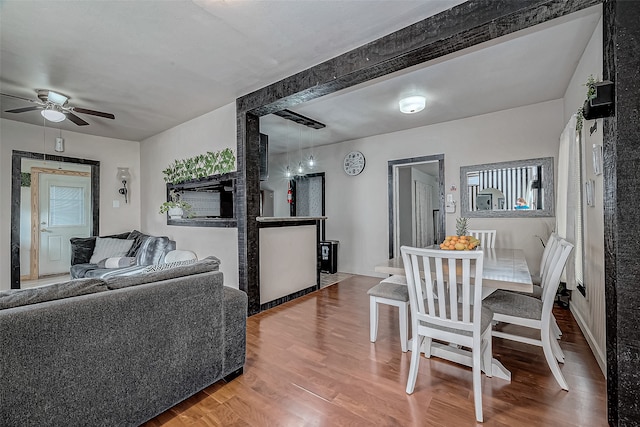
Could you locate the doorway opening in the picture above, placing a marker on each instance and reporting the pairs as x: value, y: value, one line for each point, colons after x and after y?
x: 308, y: 197
x: 60, y: 209
x: 69, y: 193
x: 416, y: 202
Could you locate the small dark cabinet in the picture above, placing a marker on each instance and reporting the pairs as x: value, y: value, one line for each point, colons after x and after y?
x: 602, y: 104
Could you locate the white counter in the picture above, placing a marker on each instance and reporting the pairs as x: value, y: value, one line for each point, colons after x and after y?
x: 289, y: 258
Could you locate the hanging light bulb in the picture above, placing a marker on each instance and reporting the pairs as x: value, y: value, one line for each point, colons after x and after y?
x: 300, y: 167
x: 287, y: 172
x: 311, y: 162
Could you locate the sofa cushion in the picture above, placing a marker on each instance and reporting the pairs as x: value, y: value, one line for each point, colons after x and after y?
x: 108, y: 247
x: 72, y: 288
x: 207, y: 264
x: 117, y: 262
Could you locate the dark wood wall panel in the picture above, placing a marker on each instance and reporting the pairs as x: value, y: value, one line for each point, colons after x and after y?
x: 622, y: 217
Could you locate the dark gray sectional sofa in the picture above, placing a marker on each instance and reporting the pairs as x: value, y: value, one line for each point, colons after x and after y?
x: 117, y: 351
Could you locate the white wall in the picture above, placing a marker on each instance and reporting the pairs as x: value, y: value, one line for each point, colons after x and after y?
x: 211, y: 132
x: 110, y: 152
x: 590, y: 311
x: 357, y: 206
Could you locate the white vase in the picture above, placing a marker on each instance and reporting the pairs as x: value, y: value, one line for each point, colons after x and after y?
x: 175, y: 213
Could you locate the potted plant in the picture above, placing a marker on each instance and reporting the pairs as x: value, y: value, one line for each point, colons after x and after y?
x: 175, y: 207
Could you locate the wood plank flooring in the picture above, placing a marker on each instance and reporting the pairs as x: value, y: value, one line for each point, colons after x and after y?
x: 310, y: 363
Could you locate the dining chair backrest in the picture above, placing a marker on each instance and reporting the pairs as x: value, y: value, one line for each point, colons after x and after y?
x: 551, y: 279
x: 438, y: 303
x: 487, y: 237
x: 549, y: 248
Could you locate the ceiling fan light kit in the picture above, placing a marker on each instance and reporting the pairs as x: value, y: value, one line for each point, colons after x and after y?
x: 412, y: 104
x: 53, y: 114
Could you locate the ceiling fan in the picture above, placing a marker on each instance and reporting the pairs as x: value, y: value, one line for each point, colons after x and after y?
x: 54, y: 107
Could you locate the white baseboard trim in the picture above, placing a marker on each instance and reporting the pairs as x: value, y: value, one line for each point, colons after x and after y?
x: 595, y: 349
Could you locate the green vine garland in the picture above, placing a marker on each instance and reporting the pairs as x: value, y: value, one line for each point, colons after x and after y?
x: 200, y: 166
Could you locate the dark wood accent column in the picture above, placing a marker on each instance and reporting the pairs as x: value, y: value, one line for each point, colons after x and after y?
x: 621, y: 212
x: 16, y: 163
x: 248, y: 206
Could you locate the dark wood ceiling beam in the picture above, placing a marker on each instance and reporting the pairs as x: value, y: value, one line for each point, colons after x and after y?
x: 462, y: 26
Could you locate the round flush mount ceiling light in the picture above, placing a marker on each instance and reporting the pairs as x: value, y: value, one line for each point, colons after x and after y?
x: 412, y: 104
x: 53, y: 114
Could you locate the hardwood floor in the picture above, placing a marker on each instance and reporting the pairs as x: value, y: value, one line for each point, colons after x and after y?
x: 310, y: 363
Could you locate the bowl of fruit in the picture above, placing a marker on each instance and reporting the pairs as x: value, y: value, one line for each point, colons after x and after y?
x: 459, y: 243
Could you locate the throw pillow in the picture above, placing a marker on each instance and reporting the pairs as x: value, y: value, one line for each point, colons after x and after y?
x: 138, y: 240
x: 109, y: 248
x: 117, y: 262
x: 168, y: 265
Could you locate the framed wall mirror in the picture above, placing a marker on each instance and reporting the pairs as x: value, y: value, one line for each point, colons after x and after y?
x: 516, y: 189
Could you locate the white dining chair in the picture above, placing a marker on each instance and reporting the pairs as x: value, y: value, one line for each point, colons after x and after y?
x: 437, y: 314
x: 545, y: 263
x: 524, y: 310
x: 487, y: 237
x: 391, y: 291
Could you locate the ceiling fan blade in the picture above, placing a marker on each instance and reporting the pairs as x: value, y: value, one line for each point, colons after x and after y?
x: 20, y: 97
x: 75, y: 119
x: 22, y: 110
x: 93, y: 113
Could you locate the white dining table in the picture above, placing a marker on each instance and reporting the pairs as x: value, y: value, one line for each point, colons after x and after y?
x: 502, y: 269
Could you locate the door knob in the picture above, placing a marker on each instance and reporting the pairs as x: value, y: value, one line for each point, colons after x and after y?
x: 45, y: 230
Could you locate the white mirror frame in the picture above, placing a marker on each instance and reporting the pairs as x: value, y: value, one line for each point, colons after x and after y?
x: 548, y: 198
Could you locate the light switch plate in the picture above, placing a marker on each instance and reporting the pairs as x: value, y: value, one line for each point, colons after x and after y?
x: 116, y: 203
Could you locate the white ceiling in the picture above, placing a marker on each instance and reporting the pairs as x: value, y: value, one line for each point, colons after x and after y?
x: 156, y: 64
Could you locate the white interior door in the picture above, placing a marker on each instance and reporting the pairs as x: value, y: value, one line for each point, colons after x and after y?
x: 65, y: 212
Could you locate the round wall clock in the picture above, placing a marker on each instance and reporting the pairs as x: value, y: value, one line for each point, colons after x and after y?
x: 353, y: 163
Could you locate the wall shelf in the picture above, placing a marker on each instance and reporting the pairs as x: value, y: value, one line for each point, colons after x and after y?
x: 212, y: 198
